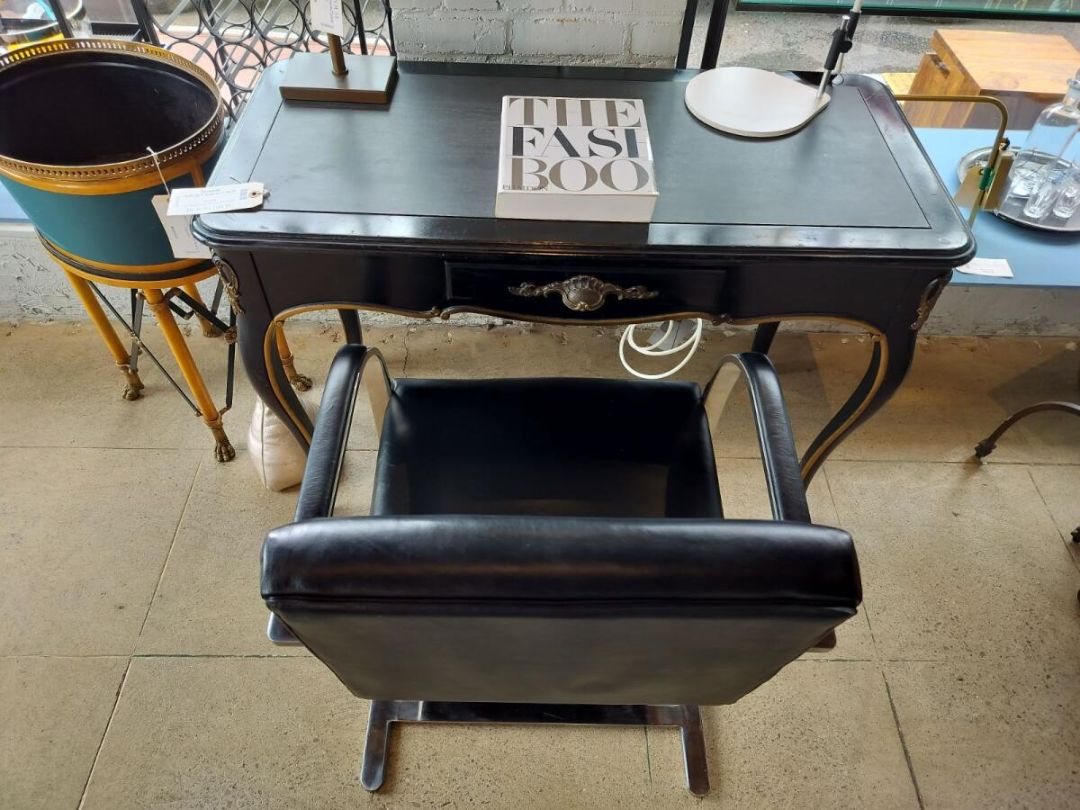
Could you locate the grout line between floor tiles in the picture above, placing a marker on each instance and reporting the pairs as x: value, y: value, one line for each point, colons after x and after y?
x: 217, y: 656
x: 168, y: 556
x: 1061, y: 533
x: 865, y: 609
x: 648, y: 756
x: 48, y: 656
x: 157, y: 447
x: 957, y: 462
x: 903, y: 742
x: 104, y: 734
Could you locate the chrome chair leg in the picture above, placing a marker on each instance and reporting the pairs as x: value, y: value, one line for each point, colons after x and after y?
x: 695, y: 761
x: 384, y: 713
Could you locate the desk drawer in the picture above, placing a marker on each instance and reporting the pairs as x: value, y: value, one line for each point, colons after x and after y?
x: 586, y: 292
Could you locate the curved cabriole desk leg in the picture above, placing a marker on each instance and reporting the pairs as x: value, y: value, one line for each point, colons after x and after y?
x: 133, y: 384
x: 889, y: 364
x: 258, y: 344
x: 223, y: 449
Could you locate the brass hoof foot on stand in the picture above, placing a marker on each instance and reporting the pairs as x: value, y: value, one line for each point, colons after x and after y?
x: 133, y: 389
x: 223, y: 449
x: 210, y: 331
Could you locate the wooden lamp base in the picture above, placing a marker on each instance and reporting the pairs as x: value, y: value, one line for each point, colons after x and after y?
x: 367, y: 80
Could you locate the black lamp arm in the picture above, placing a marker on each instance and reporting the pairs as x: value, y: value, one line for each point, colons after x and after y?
x: 842, y: 39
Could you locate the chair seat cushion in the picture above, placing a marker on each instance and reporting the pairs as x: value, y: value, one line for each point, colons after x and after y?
x: 571, y: 447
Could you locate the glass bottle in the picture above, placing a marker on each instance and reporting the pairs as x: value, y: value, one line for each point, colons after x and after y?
x: 1046, y: 142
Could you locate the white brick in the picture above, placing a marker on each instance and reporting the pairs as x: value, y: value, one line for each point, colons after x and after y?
x: 472, y: 5
x: 401, y: 6
x: 660, y: 8
x: 588, y: 6
x: 572, y: 37
x: 655, y: 39
x: 516, y: 6
x: 418, y: 33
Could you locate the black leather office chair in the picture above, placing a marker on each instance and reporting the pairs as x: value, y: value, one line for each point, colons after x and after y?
x: 552, y: 551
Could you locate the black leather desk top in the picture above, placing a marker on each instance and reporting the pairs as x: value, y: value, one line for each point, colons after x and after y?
x: 423, y: 169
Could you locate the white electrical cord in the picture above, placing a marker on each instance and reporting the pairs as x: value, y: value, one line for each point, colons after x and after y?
x: 653, y: 349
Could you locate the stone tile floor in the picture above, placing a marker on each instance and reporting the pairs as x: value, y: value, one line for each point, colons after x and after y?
x: 134, y: 672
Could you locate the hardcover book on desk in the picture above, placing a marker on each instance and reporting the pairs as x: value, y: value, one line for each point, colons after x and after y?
x: 575, y: 158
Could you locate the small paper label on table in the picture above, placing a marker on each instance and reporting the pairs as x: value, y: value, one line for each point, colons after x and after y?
x: 997, y: 268
x: 327, y: 16
x: 178, y: 231
x: 214, y: 199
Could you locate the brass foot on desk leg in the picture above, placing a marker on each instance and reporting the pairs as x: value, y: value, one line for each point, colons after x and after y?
x: 134, y: 387
x: 223, y: 449
x: 301, y: 382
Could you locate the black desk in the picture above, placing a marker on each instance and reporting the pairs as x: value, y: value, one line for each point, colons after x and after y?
x: 391, y: 209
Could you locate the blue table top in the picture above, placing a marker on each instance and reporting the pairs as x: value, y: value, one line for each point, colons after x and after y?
x: 1038, y: 258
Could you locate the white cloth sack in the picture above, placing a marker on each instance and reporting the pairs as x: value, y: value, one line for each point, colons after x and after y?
x: 279, y: 461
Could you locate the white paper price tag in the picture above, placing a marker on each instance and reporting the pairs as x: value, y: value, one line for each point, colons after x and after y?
x: 997, y: 268
x: 327, y: 16
x: 178, y: 230
x: 213, y: 199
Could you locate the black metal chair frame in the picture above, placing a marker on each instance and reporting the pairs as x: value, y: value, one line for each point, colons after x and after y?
x: 358, y: 366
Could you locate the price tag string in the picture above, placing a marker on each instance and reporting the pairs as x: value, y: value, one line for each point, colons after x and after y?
x: 157, y: 165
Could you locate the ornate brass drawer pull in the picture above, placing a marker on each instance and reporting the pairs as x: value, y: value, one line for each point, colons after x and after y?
x: 583, y: 293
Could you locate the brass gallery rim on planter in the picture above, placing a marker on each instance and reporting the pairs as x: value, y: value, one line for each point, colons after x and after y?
x: 130, y: 173
x: 91, y: 130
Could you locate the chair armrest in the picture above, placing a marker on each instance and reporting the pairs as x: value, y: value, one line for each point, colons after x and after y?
x: 352, y: 365
x: 783, y: 476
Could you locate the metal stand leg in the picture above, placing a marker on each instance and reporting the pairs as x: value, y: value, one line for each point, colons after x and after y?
x: 301, y: 382
x: 124, y: 361
x: 137, y: 302
x: 223, y: 449
x: 209, y: 329
x: 987, y: 445
x: 383, y: 713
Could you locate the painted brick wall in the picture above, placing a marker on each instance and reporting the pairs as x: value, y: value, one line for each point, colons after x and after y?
x: 606, y: 32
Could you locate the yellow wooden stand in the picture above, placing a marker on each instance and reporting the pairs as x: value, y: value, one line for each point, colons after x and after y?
x: 154, y: 295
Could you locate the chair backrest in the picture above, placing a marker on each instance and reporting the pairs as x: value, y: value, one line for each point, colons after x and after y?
x: 558, y: 610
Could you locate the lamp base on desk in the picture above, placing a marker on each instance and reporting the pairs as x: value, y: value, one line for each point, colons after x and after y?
x: 752, y: 103
x: 310, y: 77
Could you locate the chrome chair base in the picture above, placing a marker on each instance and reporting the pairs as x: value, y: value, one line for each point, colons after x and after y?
x: 383, y: 713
